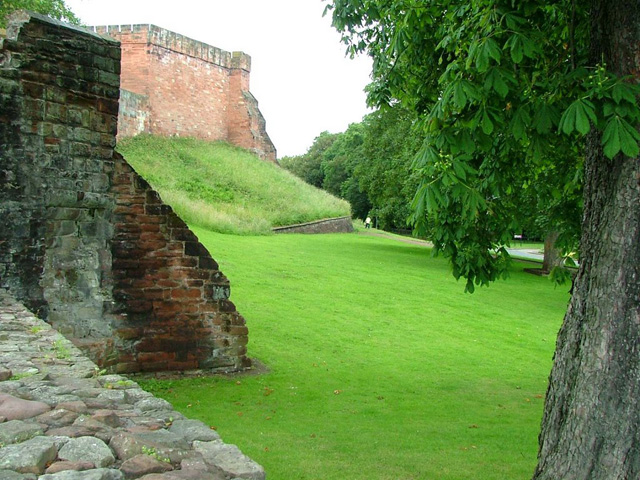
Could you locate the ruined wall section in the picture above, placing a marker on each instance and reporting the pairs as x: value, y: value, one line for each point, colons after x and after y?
x: 171, y: 298
x: 60, y: 107
x: 84, y: 241
x: 193, y: 89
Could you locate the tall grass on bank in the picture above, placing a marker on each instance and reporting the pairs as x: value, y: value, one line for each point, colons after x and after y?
x: 380, y: 367
x: 224, y: 188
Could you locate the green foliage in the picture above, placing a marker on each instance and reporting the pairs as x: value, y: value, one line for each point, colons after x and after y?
x: 329, y: 164
x: 385, y: 374
x: 340, y: 158
x: 309, y: 166
x: 225, y: 188
x: 369, y: 165
x: 551, y: 201
x: 20, y: 376
x: 119, y: 385
x: 385, y: 173
x: 61, y: 349
x: 153, y: 452
x: 339, y: 162
x: 502, y: 89
x: 53, y: 8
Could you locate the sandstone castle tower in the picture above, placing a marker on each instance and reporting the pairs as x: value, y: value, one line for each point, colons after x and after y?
x: 173, y: 85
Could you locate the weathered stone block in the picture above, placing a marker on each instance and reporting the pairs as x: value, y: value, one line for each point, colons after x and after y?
x: 127, y: 367
x: 182, y: 234
x: 108, y: 106
x: 129, y: 333
x: 17, y: 431
x: 193, y: 293
x: 12, y: 408
x: 241, y: 340
x: 140, y: 306
x: 174, y: 221
x: 217, y: 292
x: 88, y: 449
x: 31, y: 456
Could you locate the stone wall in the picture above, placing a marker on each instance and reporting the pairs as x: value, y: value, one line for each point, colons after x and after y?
x: 328, y: 225
x: 59, y: 103
x: 190, y: 89
x: 84, y: 241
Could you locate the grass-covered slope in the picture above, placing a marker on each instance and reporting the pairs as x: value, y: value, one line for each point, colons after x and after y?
x: 224, y: 188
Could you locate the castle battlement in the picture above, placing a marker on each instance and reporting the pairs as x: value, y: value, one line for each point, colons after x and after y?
x: 176, y: 42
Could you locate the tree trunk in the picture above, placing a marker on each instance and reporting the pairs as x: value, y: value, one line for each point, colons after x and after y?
x: 551, y: 256
x: 591, y: 423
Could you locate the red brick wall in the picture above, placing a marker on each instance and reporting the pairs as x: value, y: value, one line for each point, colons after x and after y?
x: 193, y: 89
x: 137, y: 64
x: 188, y: 95
x: 171, y: 300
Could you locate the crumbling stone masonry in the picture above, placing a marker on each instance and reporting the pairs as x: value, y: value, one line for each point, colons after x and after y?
x: 84, y: 241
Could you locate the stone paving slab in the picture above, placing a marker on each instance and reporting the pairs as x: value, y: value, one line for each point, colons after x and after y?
x: 61, y: 420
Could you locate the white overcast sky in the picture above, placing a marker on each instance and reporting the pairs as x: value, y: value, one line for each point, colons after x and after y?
x: 300, y: 75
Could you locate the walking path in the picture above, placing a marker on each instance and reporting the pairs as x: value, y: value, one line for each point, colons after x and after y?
x: 519, y: 253
x: 393, y: 236
x: 60, y: 419
x: 526, y: 254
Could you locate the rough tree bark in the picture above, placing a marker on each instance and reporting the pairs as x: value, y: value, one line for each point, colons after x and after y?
x: 591, y: 423
x: 551, y: 256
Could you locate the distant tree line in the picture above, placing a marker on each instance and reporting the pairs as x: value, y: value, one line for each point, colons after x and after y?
x: 371, y: 165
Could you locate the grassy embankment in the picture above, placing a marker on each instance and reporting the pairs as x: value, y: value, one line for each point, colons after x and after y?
x: 380, y: 367
x: 224, y: 188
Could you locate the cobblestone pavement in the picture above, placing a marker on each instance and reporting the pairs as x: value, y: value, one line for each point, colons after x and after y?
x: 61, y: 420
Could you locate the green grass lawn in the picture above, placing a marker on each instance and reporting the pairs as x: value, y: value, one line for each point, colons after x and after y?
x: 225, y: 188
x: 380, y: 367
